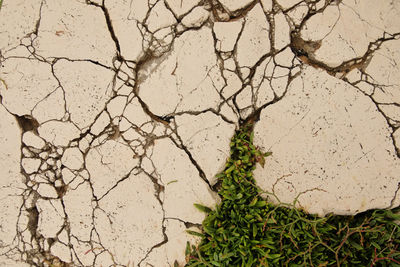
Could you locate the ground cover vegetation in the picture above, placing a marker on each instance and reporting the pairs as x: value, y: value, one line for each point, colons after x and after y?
x: 246, y: 229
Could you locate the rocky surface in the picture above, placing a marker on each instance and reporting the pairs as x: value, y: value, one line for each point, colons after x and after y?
x: 116, y: 116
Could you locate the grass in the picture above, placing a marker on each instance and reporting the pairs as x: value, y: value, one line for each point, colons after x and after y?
x: 246, y: 230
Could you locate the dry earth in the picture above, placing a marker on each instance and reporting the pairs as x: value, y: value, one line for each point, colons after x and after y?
x: 115, y: 117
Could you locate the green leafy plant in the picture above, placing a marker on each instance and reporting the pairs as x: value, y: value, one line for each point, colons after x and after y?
x: 246, y: 230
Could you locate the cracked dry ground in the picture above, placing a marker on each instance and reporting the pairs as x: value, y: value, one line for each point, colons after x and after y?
x: 115, y: 117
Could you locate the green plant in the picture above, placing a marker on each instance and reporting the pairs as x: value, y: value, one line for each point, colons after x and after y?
x: 246, y: 230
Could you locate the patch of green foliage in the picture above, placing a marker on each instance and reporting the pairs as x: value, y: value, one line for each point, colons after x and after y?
x: 246, y: 230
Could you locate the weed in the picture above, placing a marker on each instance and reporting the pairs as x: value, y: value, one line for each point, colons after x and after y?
x: 246, y: 230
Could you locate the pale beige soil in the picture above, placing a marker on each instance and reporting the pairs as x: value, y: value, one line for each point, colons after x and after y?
x: 116, y: 116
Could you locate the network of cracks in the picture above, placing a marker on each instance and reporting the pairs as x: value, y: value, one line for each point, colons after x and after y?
x: 116, y: 116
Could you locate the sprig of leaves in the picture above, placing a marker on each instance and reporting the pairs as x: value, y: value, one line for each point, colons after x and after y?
x: 245, y: 230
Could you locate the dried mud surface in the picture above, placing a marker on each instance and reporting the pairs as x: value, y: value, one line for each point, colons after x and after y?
x: 115, y: 117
